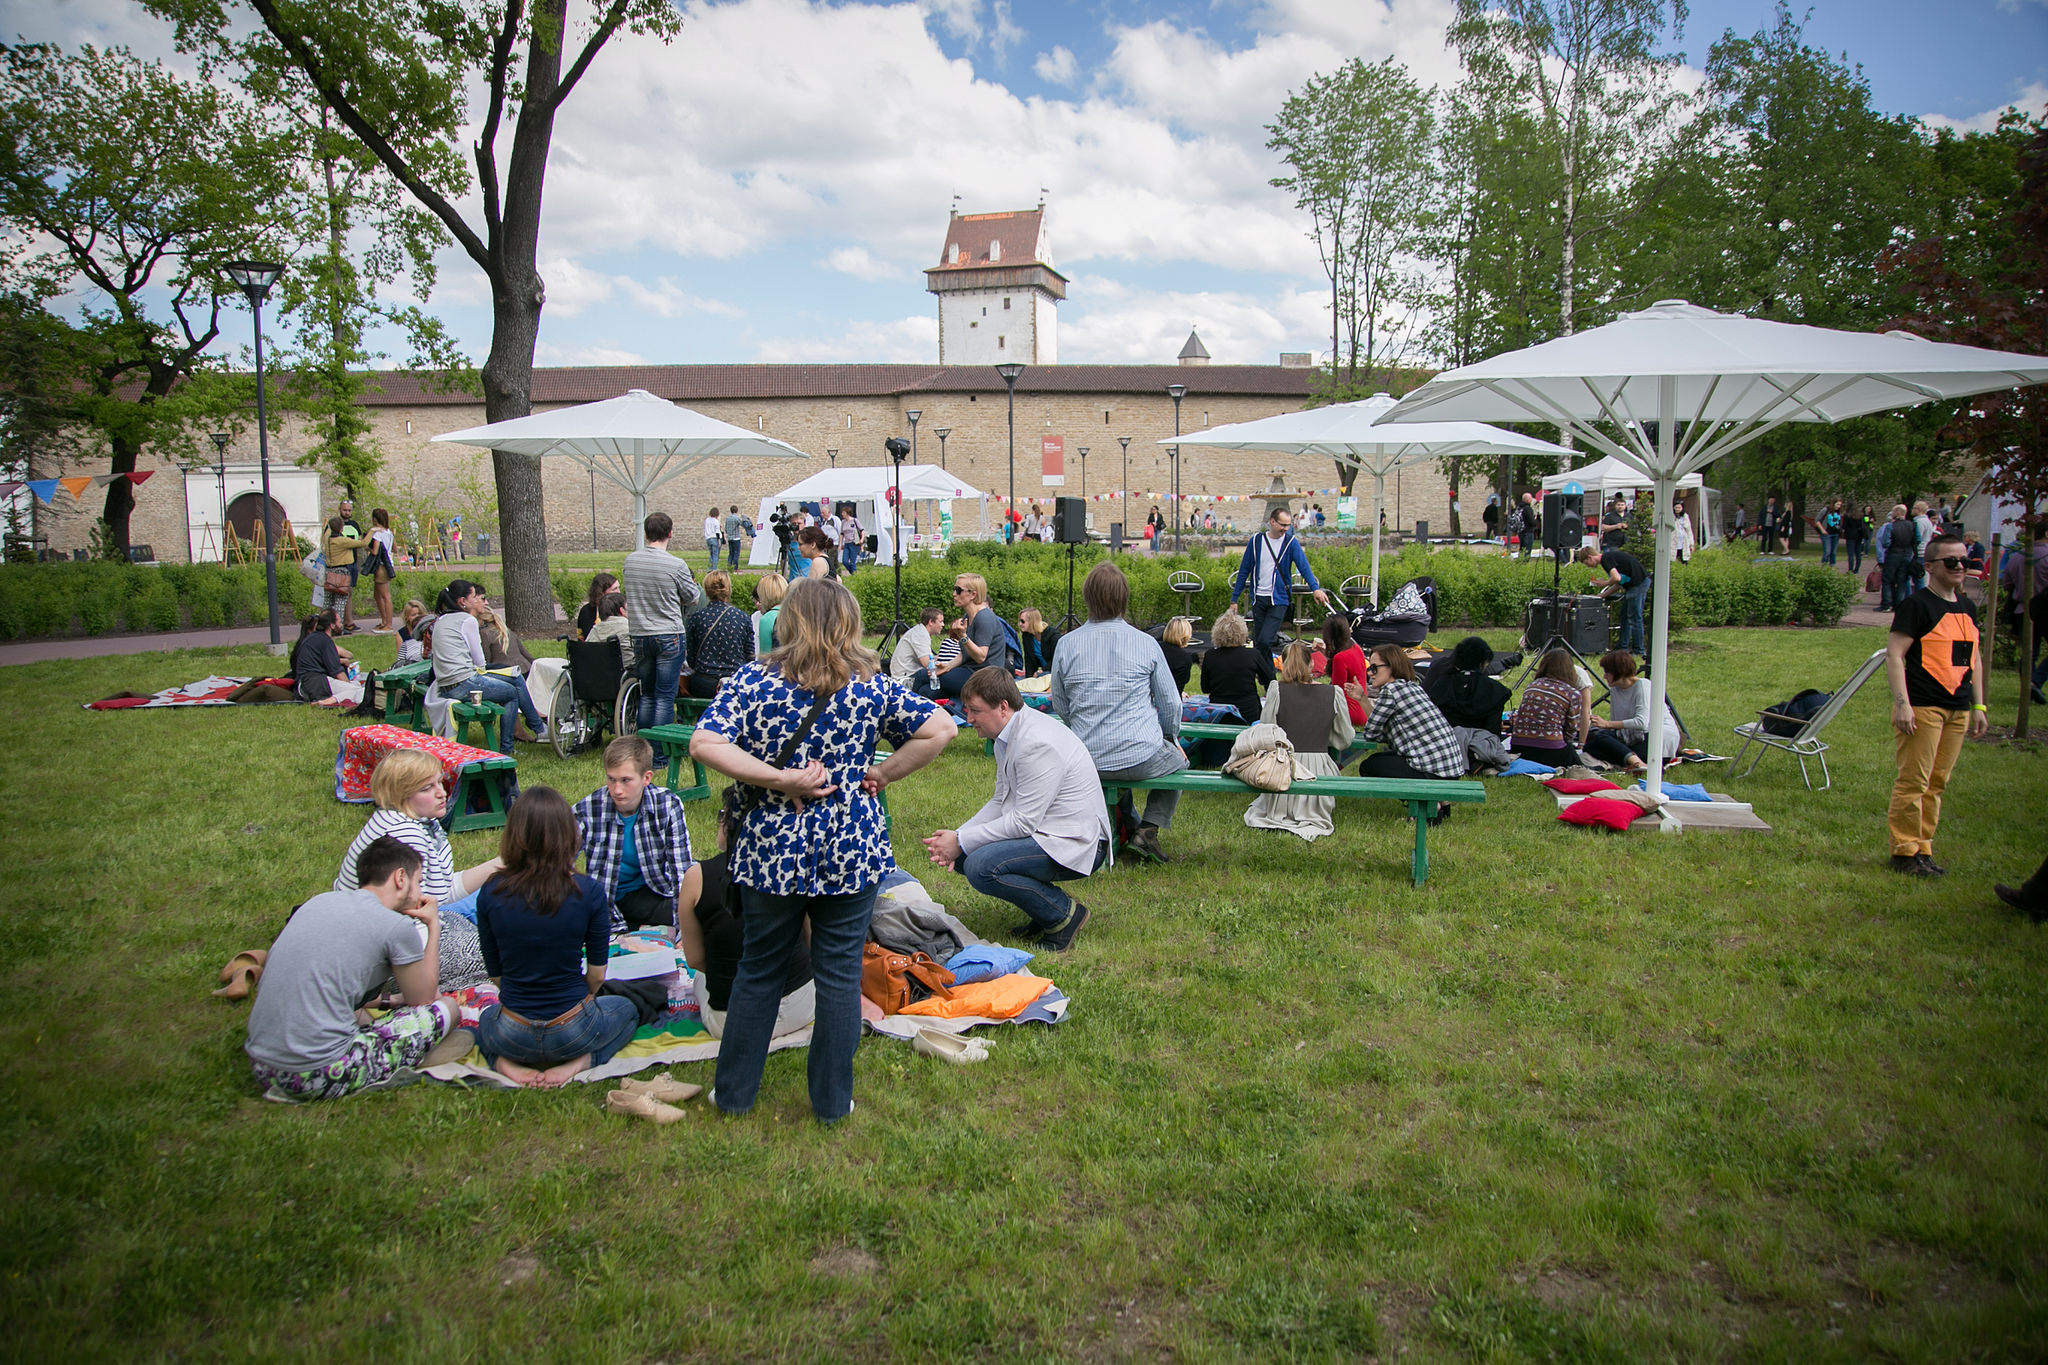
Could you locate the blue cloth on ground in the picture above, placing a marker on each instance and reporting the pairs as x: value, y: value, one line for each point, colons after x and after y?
x: 894, y: 878
x: 1523, y: 765
x: 1682, y: 791
x: 984, y: 961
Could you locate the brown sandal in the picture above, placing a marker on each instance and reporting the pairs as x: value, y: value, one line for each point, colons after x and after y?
x: 243, y: 971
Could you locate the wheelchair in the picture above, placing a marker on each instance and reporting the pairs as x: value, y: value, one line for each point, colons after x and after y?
x: 597, y: 694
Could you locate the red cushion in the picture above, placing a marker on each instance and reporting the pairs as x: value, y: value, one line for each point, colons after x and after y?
x: 1594, y: 810
x: 1579, y: 786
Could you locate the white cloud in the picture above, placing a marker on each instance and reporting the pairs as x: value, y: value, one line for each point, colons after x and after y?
x: 1056, y: 67
x: 547, y: 353
x: 855, y: 261
x: 572, y: 288
x: 2029, y: 101
x: 1127, y: 326
x: 906, y: 340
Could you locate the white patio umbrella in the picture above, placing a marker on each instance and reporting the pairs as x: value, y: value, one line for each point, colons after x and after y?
x: 637, y: 441
x: 1726, y: 379
x: 1359, y: 435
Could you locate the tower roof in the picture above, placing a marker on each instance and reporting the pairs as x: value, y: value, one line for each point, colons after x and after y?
x: 980, y: 241
x: 1194, y: 350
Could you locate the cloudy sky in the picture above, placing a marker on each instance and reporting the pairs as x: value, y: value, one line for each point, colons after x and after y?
x: 768, y: 186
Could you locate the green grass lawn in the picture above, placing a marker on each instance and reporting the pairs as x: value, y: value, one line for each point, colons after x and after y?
x: 1579, y: 1098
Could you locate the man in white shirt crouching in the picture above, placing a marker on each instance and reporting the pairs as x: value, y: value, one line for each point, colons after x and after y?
x: 1046, y: 822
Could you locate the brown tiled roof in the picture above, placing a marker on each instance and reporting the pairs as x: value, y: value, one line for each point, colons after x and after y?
x: 1018, y: 231
x: 696, y: 383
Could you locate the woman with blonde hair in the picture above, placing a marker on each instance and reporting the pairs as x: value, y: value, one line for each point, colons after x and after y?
x: 1174, y: 640
x: 799, y: 728
x: 1317, y: 720
x: 1039, y: 639
x: 768, y: 595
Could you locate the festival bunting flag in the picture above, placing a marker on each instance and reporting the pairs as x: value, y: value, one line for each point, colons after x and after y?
x: 140, y: 476
x: 44, y: 489
x: 8, y: 487
x: 76, y: 484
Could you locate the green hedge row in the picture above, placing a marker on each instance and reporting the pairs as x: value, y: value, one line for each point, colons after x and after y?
x: 99, y: 596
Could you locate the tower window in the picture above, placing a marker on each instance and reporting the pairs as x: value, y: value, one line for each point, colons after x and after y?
x: 1006, y: 304
x: 1000, y: 341
x: 984, y: 312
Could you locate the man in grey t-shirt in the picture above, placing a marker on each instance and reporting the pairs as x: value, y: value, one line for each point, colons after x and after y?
x: 659, y: 591
x: 304, y: 1042
x: 986, y: 645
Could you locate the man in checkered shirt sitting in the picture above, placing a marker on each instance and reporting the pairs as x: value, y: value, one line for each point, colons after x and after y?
x: 635, y: 841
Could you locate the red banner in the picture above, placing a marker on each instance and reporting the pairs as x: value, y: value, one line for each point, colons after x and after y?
x: 1052, y: 452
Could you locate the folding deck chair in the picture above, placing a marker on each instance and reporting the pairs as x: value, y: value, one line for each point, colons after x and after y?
x: 1805, y: 742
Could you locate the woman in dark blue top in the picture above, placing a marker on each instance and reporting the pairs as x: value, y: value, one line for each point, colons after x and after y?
x: 539, y: 924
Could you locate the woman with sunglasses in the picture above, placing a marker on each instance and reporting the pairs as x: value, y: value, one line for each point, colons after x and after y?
x: 1414, y: 738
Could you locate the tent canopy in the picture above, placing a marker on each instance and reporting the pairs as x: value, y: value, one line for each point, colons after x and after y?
x: 1359, y: 435
x: 1609, y: 473
x: 867, y: 487
x: 637, y: 441
x: 1626, y: 389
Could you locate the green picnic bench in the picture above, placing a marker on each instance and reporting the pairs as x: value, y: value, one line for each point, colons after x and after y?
x: 673, y: 743
x: 486, y: 785
x: 1420, y: 795
x: 405, y: 694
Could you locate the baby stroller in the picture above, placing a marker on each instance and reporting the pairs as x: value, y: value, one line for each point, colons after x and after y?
x: 1408, y: 619
x: 596, y: 694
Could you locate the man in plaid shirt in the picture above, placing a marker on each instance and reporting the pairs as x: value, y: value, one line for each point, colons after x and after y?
x: 635, y: 842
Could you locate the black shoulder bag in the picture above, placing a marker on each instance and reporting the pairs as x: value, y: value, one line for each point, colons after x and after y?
x: 749, y: 796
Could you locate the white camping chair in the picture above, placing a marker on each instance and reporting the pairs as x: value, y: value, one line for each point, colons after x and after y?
x: 1805, y: 743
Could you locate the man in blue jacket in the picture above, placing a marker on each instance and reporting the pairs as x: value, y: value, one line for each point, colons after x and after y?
x: 1268, y: 569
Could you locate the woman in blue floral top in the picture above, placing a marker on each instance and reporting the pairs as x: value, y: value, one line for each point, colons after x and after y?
x: 814, y: 847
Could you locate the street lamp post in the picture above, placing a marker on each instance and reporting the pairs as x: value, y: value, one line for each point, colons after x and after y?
x: 593, y: 510
x: 833, y: 456
x: 254, y: 278
x: 913, y: 414
x: 942, y: 433
x: 1009, y: 370
x: 1083, y: 453
x: 1176, y: 392
x: 220, y: 441
x: 1123, y: 492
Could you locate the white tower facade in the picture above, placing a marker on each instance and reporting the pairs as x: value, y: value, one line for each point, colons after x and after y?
x: 997, y: 290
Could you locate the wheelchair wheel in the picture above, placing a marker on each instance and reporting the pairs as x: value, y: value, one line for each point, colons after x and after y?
x: 626, y: 713
x: 565, y: 726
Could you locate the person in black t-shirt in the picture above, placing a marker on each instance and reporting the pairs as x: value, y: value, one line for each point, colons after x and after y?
x: 317, y: 662
x: 1628, y: 580
x: 712, y: 936
x: 1937, y: 685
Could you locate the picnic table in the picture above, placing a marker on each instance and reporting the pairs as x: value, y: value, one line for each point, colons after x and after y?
x: 672, y: 742
x: 405, y: 685
x: 1420, y: 794
x: 484, y: 781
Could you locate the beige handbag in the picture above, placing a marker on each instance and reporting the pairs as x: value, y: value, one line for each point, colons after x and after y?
x: 1262, y: 758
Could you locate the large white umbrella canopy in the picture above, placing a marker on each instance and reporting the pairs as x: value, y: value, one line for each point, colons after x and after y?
x: 1625, y: 389
x: 1358, y: 434
x: 637, y: 441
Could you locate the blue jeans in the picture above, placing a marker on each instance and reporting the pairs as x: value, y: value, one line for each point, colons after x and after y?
x: 1268, y: 617
x: 1896, y: 584
x: 1855, y: 556
x: 711, y: 548
x: 507, y: 691
x: 1632, y: 616
x: 603, y: 1026
x: 732, y: 553
x: 849, y: 555
x: 658, y: 662
x: 1827, y: 549
x: 1020, y: 872
x: 839, y: 931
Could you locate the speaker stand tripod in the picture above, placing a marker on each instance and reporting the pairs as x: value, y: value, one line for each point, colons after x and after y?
x: 1557, y: 637
x: 1069, y: 621
x: 897, y: 629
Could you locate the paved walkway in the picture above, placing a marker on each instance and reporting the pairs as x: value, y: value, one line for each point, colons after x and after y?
x: 96, y: 646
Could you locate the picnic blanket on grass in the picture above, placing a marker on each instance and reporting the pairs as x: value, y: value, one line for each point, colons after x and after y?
x: 1718, y: 812
x: 360, y: 750
x: 214, y: 691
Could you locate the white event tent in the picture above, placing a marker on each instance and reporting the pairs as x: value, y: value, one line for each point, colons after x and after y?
x: 1607, y: 476
x: 1705, y: 383
x: 1359, y: 435
x: 637, y: 441
x: 867, y: 487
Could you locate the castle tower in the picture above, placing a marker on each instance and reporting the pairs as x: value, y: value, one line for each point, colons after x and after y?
x: 997, y: 290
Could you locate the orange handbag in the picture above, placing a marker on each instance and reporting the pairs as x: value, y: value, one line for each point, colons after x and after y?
x: 888, y: 977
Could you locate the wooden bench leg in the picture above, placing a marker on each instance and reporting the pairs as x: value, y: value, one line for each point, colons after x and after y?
x: 491, y: 784
x: 1419, y: 811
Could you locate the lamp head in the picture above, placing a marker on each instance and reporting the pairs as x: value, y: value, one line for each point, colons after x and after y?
x: 1009, y: 370
x: 253, y: 278
x: 1083, y: 452
x: 1176, y: 391
x: 913, y: 414
x: 220, y: 441
x: 1125, y: 442
x: 942, y: 432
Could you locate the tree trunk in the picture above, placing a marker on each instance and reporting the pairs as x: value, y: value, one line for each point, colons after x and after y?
x: 120, y: 494
x: 1456, y: 468
x: 2025, y: 602
x: 336, y: 230
x: 1347, y: 475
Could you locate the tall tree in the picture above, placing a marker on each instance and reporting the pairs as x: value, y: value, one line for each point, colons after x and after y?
x: 409, y: 79
x: 123, y: 184
x: 1985, y: 283
x: 1591, y: 75
x: 1359, y: 145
